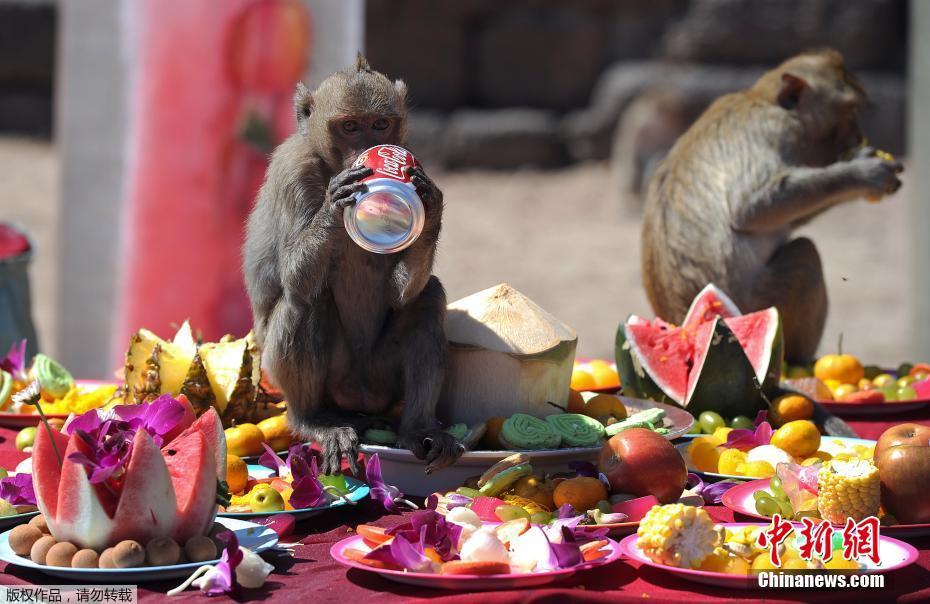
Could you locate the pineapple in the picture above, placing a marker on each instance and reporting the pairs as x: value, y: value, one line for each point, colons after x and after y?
x: 242, y: 400
x: 196, y: 386
x: 174, y: 359
x: 225, y: 362
x: 150, y: 386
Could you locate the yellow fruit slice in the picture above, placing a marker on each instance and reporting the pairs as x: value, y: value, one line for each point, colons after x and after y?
x: 173, y: 361
x: 223, y: 364
x: 730, y: 461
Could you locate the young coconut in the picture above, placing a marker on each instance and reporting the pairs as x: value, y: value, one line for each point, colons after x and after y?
x: 506, y: 355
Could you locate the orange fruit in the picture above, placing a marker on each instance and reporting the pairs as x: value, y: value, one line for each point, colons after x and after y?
x: 605, y: 376
x: 583, y: 380
x: 799, y: 438
x: 582, y: 493
x: 244, y: 439
x: 237, y: 474
x: 731, y: 565
x: 844, y: 368
x: 276, y: 432
x: 791, y: 407
x: 602, y: 407
x: 492, y: 435
x: 704, y: 454
x: 575, y: 402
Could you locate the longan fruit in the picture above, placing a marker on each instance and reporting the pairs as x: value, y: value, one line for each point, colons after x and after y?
x: 128, y: 554
x: 162, y: 551
x: 200, y: 549
x: 23, y: 537
x: 61, y: 554
x: 85, y: 558
x: 40, y: 523
x: 106, y: 559
x: 40, y: 548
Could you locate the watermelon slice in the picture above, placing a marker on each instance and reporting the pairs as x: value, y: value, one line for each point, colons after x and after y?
x: 186, y: 421
x: 715, y: 361
x: 147, y: 504
x: 81, y: 516
x: 210, y: 425
x: 190, y: 462
x: 711, y: 302
x: 46, y: 471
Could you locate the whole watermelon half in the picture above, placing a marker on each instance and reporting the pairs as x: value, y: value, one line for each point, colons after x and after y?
x: 715, y: 361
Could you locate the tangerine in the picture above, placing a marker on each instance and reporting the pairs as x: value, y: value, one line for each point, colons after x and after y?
x: 244, y: 439
x: 704, y: 454
x: 602, y: 407
x: 799, y: 438
x: 791, y: 407
x: 583, y: 380
x: 582, y: 493
x: 605, y: 376
x: 237, y: 474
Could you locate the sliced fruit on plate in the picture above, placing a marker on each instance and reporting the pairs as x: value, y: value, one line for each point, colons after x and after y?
x: 231, y: 370
x: 169, y: 360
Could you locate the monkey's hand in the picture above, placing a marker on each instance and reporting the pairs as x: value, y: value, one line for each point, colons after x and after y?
x: 879, y: 177
x: 336, y: 442
x: 437, y: 447
x: 426, y: 189
x: 343, y: 187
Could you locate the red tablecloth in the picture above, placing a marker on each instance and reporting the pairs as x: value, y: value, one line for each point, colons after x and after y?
x: 312, y: 576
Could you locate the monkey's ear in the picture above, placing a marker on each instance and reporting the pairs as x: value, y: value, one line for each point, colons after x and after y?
x: 303, y: 102
x: 361, y: 63
x: 791, y: 89
x: 400, y: 87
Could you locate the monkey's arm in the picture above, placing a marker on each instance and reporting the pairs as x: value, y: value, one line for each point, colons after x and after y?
x: 798, y: 193
x: 306, y: 249
x: 415, y: 265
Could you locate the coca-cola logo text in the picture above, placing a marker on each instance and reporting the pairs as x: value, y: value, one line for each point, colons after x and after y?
x: 393, y: 161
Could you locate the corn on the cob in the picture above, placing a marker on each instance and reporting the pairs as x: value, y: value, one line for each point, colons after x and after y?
x: 677, y: 535
x: 848, y: 489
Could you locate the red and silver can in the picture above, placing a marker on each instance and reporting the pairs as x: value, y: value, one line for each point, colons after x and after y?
x: 389, y: 216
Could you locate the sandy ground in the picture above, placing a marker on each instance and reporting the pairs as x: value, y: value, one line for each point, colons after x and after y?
x: 561, y: 238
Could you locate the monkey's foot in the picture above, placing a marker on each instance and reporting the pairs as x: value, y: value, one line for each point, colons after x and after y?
x: 437, y: 447
x: 337, y: 442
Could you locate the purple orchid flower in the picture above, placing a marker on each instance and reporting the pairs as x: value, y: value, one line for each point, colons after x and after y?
x: 282, y: 467
x: 387, y: 495
x: 712, y: 494
x: 430, y: 529
x: 221, y: 580
x: 158, y: 418
x: 88, y: 422
x: 402, y: 553
x: 18, y: 490
x: 744, y: 440
x: 14, y: 362
x: 565, y: 511
x: 567, y: 551
x: 110, y: 447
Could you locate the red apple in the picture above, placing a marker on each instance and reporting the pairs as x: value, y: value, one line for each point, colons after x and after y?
x: 640, y: 462
x: 902, y: 455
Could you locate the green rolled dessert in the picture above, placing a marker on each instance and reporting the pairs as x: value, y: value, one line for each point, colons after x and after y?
x: 525, y: 432
x: 577, y: 430
x: 459, y: 431
x: 386, y: 438
x: 54, y: 379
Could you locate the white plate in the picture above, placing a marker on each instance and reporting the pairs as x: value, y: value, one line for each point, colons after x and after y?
x: 401, y: 468
x: 253, y: 536
x: 824, y: 441
x: 358, y: 490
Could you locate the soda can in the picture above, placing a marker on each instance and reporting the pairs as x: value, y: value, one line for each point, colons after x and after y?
x: 389, y: 216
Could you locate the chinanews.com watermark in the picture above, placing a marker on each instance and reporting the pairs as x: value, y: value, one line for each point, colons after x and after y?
x: 817, y: 541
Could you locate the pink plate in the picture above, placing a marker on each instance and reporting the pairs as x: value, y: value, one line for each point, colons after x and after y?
x: 25, y: 420
x: 740, y: 499
x: 894, y: 555
x: 465, y: 582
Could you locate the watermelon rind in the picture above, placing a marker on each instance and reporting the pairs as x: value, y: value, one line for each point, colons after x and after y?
x: 713, y: 299
x: 769, y: 361
x: 726, y: 380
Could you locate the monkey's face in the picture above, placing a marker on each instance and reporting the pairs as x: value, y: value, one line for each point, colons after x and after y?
x: 828, y: 103
x: 355, y: 110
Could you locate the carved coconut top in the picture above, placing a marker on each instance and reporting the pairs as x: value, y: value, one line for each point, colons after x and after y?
x: 502, y: 319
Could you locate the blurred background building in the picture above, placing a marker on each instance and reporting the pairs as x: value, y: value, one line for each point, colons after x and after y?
x: 540, y: 119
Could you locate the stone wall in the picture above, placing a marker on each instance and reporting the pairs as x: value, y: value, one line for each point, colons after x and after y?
x: 545, y: 82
